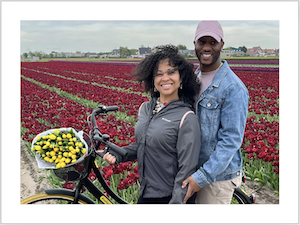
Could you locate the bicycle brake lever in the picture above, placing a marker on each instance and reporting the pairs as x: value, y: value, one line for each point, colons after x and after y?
x: 101, y: 154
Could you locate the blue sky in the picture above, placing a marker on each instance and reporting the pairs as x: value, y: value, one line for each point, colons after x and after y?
x: 102, y: 36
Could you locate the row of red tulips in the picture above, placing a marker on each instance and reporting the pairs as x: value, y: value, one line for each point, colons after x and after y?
x: 128, y: 102
x: 263, y: 90
x: 83, y: 68
x: 93, y: 76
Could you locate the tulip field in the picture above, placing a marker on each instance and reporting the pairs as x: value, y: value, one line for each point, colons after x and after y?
x: 59, y: 94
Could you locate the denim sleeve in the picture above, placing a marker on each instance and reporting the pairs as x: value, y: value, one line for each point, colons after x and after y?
x: 230, y: 135
x: 188, y: 149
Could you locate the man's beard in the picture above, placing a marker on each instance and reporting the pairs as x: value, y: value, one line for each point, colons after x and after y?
x: 215, y: 57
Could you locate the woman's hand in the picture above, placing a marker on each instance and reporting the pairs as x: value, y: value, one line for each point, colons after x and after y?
x: 109, y: 158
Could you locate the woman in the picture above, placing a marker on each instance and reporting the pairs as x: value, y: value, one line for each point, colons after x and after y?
x: 167, y: 135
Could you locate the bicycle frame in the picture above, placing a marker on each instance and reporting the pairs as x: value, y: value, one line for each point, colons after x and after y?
x: 93, y: 189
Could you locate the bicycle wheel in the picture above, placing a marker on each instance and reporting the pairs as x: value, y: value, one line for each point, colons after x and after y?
x: 241, y: 197
x: 55, y: 196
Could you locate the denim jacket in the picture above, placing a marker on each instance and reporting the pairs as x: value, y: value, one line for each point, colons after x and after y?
x: 222, y: 109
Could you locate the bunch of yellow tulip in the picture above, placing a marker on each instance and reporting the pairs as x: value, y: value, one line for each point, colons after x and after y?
x: 60, y: 147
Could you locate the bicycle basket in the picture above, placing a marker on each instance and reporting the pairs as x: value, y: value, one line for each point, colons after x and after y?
x: 72, y: 173
x: 77, y: 171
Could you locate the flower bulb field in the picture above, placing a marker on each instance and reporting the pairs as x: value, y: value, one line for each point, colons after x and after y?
x: 58, y: 94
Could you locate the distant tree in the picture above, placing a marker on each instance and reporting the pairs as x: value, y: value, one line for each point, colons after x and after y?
x: 38, y: 54
x: 133, y: 51
x: 25, y: 54
x: 181, y: 47
x: 30, y: 54
x: 54, y: 54
x: 124, y: 52
x: 244, y: 49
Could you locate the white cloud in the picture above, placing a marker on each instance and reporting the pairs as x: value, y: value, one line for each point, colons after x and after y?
x: 72, y: 35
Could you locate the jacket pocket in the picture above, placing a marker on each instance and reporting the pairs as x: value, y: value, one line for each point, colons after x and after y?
x: 209, y: 103
x: 209, y: 111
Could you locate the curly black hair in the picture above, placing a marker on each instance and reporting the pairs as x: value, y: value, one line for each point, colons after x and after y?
x: 147, y: 68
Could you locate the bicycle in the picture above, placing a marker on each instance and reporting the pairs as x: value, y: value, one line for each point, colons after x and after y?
x: 80, y: 172
x: 242, y: 197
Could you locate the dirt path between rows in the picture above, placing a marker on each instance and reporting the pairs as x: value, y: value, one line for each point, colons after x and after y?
x: 34, y: 181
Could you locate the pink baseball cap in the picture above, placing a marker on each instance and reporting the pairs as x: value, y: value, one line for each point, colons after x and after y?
x: 209, y: 28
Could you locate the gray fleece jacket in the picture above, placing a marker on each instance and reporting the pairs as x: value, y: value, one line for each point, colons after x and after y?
x: 166, y: 154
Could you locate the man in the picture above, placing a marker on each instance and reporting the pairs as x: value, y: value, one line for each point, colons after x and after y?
x: 222, y: 107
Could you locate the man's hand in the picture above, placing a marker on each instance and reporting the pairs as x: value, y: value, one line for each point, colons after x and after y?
x: 192, y: 188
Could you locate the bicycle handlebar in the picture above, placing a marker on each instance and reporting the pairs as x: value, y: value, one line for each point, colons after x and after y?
x: 104, y: 138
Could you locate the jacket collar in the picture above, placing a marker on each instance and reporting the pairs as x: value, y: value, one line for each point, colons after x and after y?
x: 220, y: 74
x: 172, y: 104
x: 216, y: 80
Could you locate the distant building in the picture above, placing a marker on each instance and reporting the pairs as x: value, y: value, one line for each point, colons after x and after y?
x: 72, y: 55
x: 255, y: 51
x: 258, y: 51
x: 187, y: 52
x: 134, y: 56
x: 103, y: 56
x: 92, y: 55
x: 277, y: 52
x: 270, y: 52
x: 33, y: 58
x: 115, y: 53
x: 232, y: 53
x: 142, y: 52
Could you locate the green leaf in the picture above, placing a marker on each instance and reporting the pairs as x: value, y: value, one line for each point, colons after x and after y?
x: 56, y: 133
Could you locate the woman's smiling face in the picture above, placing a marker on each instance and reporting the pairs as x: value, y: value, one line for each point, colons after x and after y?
x: 167, y: 81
